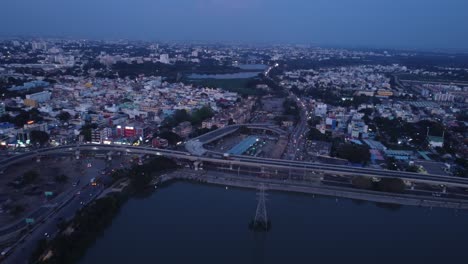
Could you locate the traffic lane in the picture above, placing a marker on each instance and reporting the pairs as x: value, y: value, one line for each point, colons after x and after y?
x: 47, y: 229
x: 419, y: 190
x: 42, y: 210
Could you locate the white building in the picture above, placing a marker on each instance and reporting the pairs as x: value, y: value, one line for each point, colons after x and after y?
x: 320, y: 109
x: 2, y: 109
x: 39, y: 97
x: 164, y: 58
x: 443, y: 97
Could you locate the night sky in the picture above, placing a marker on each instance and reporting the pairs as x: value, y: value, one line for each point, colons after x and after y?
x: 373, y: 23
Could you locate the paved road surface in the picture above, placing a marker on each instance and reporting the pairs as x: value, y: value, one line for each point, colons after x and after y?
x: 86, y: 194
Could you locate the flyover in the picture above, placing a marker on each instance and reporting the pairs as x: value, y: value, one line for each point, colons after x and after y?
x: 195, y: 145
x: 248, y: 161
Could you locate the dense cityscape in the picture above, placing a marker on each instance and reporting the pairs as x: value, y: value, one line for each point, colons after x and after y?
x: 233, y: 131
x: 85, y: 123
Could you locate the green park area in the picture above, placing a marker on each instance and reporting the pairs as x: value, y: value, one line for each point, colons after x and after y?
x: 244, y: 86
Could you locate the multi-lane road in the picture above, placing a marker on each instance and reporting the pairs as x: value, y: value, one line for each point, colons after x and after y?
x: 76, y: 198
x: 254, y: 162
x: 298, y: 136
x: 49, y: 227
x: 85, y: 193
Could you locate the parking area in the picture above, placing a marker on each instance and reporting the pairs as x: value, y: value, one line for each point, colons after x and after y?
x: 237, y: 144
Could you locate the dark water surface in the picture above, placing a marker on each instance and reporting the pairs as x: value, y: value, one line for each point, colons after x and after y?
x: 195, y: 223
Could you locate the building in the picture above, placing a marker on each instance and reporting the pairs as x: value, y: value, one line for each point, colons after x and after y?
x: 321, y: 109
x: 365, y: 93
x: 6, y: 127
x: 287, y: 123
x: 24, y: 134
x: 444, y: 97
x: 399, y: 154
x: 132, y: 131
x: 183, y: 129
x: 159, y: 143
x: 2, y: 109
x: 435, y: 142
x: 208, y: 123
x: 384, y: 93
x: 40, y: 97
x: 244, y: 145
x: 330, y: 123
x: 107, y: 133
x: 29, y: 85
x: 96, y: 136
x: 30, y: 103
x: 164, y: 58
x: 357, y: 128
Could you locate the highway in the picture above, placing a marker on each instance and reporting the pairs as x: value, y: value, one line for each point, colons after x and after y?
x: 253, y: 162
x: 49, y: 228
x: 69, y: 204
x: 87, y: 193
x: 297, y: 138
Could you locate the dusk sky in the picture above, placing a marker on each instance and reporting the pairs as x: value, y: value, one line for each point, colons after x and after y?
x: 373, y: 23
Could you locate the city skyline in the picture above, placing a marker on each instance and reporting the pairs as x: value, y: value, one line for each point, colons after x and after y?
x: 419, y: 24
x: 142, y: 131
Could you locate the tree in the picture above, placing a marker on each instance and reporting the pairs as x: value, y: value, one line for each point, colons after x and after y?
x: 391, y: 163
x: 86, y: 131
x: 290, y: 107
x: 315, y: 134
x: 393, y: 185
x: 366, y: 111
x: 314, y: 121
x: 30, y: 176
x: 62, y: 178
x: 201, y: 114
x: 41, y: 247
x: 169, y: 122
x: 412, y: 168
x: 64, y: 116
x: 181, y: 115
x: 141, y: 175
x: 363, y: 182
x: 170, y: 136
x: 23, y: 117
x: 16, y: 209
x: 354, y: 153
x: 39, y: 137
x: 244, y: 130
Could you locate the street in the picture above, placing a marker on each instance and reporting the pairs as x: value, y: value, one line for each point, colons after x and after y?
x: 80, y: 195
x: 295, y: 149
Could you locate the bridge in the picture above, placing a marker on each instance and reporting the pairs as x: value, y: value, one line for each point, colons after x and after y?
x: 260, y: 164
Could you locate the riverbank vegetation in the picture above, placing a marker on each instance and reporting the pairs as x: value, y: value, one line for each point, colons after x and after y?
x: 354, y: 153
x: 75, y: 236
x: 390, y: 185
x: 89, y: 222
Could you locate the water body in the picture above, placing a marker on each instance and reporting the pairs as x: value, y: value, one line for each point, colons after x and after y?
x: 259, y: 67
x: 238, y: 75
x: 195, y: 223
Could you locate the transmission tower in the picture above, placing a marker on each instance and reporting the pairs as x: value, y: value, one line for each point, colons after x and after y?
x: 261, y: 217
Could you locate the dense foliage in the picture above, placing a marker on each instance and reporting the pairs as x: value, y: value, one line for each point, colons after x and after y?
x: 354, y: 153
x: 391, y: 185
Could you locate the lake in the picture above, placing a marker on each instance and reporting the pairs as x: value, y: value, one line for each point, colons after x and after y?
x: 238, y: 75
x: 259, y: 67
x: 196, y: 223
